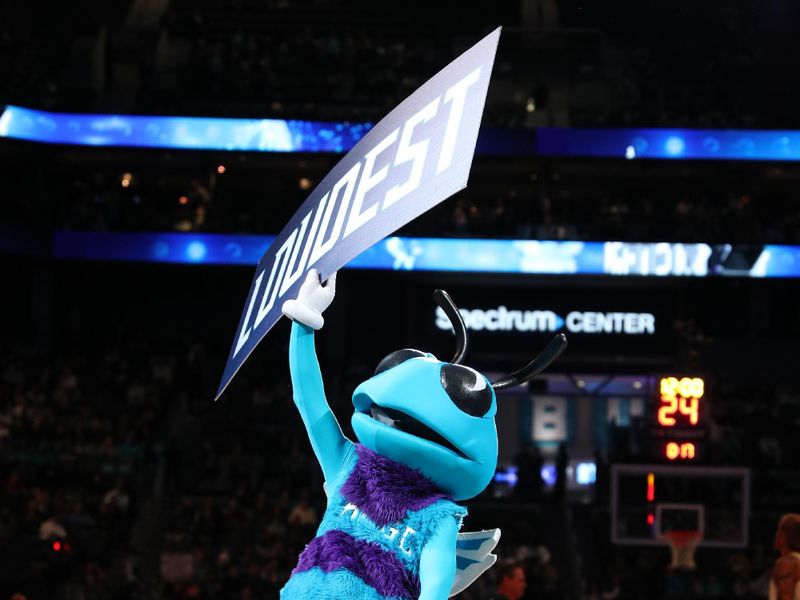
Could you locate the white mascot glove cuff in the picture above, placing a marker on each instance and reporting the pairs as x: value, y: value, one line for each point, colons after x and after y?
x: 303, y: 314
x: 312, y: 299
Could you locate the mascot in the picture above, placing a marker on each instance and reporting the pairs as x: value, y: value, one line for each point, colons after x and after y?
x: 426, y: 439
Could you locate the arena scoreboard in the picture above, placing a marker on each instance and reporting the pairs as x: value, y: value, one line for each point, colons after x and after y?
x: 679, y: 419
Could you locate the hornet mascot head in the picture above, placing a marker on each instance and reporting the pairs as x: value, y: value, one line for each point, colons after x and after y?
x: 427, y: 437
x: 437, y: 416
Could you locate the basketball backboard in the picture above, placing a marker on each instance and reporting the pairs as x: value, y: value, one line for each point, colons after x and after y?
x: 648, y: 501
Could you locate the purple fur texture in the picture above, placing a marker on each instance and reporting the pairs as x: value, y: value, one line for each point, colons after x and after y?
x: 376, y: 567
x: 385, y: 490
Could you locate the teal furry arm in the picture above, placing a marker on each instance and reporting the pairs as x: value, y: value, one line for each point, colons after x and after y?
x: 327, y: 439
x: 437, y: 567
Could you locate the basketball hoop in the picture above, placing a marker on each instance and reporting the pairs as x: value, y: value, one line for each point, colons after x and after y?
x: 682, y: 545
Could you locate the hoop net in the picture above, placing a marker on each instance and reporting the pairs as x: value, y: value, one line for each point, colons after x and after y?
x: 682, y: 545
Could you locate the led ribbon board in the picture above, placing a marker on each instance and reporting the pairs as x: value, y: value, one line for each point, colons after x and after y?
x: 184, y: 133
x: 282, y: 135
x: 670, y: 144
x: 619, y: 259
x: 415, y: 157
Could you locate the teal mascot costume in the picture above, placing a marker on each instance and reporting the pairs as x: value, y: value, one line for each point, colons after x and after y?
x: 426, y: 439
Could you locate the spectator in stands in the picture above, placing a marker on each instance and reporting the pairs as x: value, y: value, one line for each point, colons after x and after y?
x: 303, y: 513
x: 116, y: 500
x: 511, y: 582
x: 549, y: 588
x: 786, y: 574
x: 52, y: 528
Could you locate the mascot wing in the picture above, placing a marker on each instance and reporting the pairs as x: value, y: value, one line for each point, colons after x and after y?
x: 473, y: 557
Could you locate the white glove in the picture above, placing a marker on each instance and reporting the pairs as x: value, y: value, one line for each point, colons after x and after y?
x: 311, y: 300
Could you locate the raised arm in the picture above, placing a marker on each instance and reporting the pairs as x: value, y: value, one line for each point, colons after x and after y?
x: 326, y: 436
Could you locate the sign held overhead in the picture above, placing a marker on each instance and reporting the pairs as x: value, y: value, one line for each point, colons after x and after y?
x: 414, y: 158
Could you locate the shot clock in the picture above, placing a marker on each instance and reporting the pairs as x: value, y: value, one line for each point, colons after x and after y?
x: 680, y: 399
x: 679, y: 430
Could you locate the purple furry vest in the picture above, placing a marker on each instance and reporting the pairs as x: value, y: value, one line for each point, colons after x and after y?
x: 380, y: 514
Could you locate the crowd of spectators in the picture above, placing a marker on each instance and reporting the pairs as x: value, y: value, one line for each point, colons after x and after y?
x: 559, y: 210
x: 682, y: 65
x: 339, y: 60
x: 347, y: 60
x: 48, y: 53
x: 342, y: 60
x: 628, y: 574
x: 240, y: 504
x: 749, y: 425
x: 625, y: 572
x: 685, y: 217
x: 82, y: 435
x: 757, y: 425
x: 78, y: 440
x: 241, y: 494
x: 242, y: 54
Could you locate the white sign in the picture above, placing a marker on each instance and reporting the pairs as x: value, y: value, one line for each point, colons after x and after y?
x: 415, y: 157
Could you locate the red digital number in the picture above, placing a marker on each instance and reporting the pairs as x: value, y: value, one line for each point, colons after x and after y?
x: 668, y: 408
x: 691, y: 408
x: 682, y: 450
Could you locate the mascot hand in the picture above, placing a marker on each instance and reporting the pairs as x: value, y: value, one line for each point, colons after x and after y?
x: 311, y: 300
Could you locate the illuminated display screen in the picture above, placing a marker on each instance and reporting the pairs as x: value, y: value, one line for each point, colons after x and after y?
x: 185, y: 133
x: 281, y: 135
x: 680, y: 400
x: 427, y: 254
x: 670, y: 144
x: 679, y: 412
x: 680, y: 450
